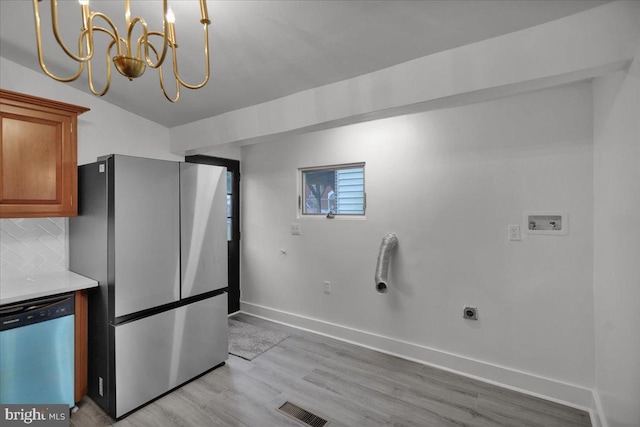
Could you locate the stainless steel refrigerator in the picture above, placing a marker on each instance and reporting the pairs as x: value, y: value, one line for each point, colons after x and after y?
x: 153, y: 234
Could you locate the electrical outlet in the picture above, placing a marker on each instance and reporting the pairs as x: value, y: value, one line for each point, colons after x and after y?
x: 514, y: 232
x: 296, y: 229
x: 327, y: 287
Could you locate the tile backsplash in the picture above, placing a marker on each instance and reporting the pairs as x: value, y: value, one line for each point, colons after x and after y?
x: 32, y: 246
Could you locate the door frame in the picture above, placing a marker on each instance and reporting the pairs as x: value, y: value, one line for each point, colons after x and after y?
x: 233, y: 244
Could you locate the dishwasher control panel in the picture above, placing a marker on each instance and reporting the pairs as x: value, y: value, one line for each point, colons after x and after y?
x: 36, y: 311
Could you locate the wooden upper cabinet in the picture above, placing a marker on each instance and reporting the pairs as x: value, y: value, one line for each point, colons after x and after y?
x: 38, y: 157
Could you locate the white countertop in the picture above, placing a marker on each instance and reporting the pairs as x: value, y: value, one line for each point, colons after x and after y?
x: 42, y: 285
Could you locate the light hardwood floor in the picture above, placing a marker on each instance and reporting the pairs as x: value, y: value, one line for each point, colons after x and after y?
x: 349, y: 385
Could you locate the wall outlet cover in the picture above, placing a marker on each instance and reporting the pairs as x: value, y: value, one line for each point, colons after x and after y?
x: 296, y: 229
x: 514, y: 232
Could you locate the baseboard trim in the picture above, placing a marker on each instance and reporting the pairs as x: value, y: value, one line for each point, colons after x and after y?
x: 545, y: 388
x: 597, y: 415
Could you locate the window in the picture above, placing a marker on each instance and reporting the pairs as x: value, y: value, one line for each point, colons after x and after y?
x: 333, y: 189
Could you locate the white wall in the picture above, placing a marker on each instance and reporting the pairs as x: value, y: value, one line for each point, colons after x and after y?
x: 33, y: 246
x: 617, y: 245
x: 448, y: 182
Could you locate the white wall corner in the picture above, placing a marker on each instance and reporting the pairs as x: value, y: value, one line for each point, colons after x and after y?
x: 616, y: 244
x: 597, y: 417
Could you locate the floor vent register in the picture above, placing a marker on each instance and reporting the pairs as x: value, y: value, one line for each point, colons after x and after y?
x: 297, y: 413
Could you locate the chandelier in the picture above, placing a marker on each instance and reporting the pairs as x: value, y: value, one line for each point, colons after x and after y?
x: 132, y: 56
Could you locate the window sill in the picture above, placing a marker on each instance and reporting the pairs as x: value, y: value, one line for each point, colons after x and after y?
x: 337, y: 217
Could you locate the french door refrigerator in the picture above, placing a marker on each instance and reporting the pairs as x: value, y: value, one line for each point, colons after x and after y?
x: 153, y: 234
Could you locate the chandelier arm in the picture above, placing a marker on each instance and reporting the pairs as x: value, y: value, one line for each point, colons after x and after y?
x: 90, y: 72
x: 115, y: 36
x: 164, y: 90
x: 204, y: 14
x: 147, y: 43
x: 143, y: 40
x: 112, y: 35
x: 144, y: 35
x: 41, y: 56
x: 56, y: 32
x: 105, y: 30
x: 161, y: 77
x: 165, y: 39
x: 140, y: 41
x: 206, y: 60
x: 165, y: 34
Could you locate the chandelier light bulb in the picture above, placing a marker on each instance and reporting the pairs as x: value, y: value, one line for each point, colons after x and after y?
x: 170, y: 16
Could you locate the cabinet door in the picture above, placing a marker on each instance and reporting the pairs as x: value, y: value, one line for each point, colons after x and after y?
x: 37, y: 164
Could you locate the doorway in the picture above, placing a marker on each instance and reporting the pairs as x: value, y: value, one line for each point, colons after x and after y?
x: 233, y: 222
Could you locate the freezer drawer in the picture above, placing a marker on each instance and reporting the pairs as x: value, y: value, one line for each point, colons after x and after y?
x: 160, y: 352
x: 203, y: 228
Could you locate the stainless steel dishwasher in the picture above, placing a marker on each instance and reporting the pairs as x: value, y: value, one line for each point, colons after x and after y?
x: 37, y: 351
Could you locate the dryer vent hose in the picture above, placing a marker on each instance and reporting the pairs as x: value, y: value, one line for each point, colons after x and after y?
x: 389, y: 242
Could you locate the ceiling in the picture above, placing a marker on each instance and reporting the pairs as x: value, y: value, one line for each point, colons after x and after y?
x: 264, y: 50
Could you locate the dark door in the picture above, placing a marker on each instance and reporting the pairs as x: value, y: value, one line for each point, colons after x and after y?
x: 233, y: 222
